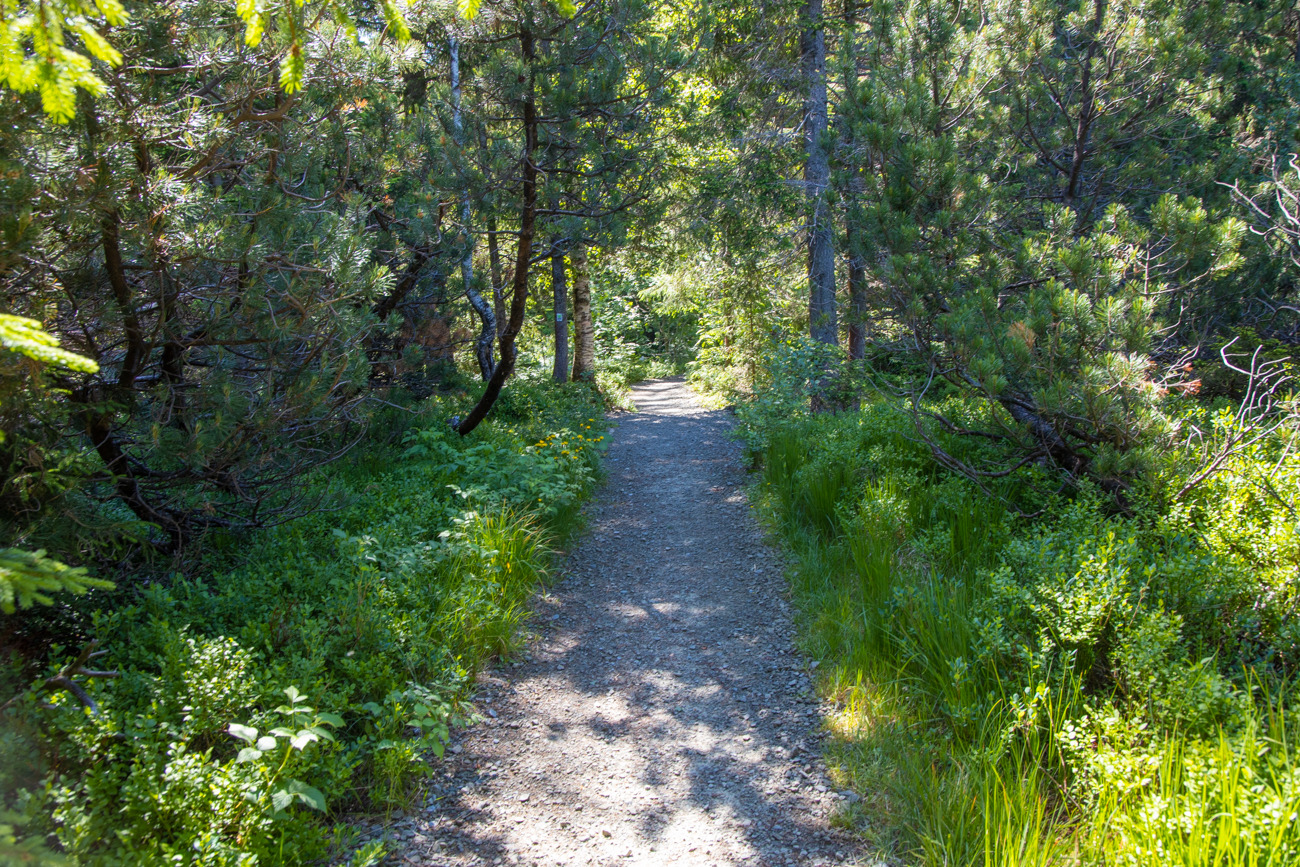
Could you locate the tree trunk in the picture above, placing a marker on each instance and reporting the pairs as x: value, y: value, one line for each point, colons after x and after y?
x: 858, y: 311
x: 494, y: 253
x: 560, y: 302
x: 852, y: 193
x: 487, y: 320
x: 821, y: 254
x: 527, y: 221
x: 584, y: 332
x: 136, y: 351
x: 494, y: 263
x: 1087, y: 107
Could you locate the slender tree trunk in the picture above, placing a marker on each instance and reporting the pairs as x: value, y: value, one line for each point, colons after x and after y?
x: 852, y: 193
x: 584, y: 332
x: 527, y: 225
x: 487, y: 318
x: 135, y: 345
x: 821, y: 252
x: 494, y: 263
x: 494, y: 252
x: 1087, y: 107
x: 405, y: 283
x: 560, y: 302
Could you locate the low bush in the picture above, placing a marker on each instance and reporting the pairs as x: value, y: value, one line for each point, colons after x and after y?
x: 1036, y: 675
x: 307, y: 670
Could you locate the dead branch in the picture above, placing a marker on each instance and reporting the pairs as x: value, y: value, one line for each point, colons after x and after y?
x: 1255, y: 419
x: 64, y: 679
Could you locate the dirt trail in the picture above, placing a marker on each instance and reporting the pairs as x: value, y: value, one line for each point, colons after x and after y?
x: 662, y: 715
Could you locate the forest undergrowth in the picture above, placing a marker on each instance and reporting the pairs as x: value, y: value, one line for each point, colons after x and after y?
x: 1030, y: 675
x: 302, y: 672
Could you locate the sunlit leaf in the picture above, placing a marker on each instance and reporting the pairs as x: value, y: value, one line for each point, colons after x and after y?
x: 248, y: 734
x: 301, y: 739
x: 292, y: 70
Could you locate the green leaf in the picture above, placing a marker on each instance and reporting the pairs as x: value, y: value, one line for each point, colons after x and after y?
x: 293, y: 69
x: 568, y: 8
x: 468, y: 9
x: 248, y: 734
x: 97, y: 45
x: 254, y: 19
x: 309, y: 795
x: 113, y: 11
x: 266, y: 744
x: 27, y: 337
x: 26, y: 577
x: 248, y: 754
x: 303, y: 738
x: 395, y: 21
x: 281, y: 800
x: 321, y: 733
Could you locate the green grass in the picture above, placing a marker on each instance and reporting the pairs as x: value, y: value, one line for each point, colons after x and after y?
x: 1080, y: 688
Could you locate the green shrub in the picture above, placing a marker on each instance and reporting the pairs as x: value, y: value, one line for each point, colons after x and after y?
x: 372, y: 617
x: 1079, y: 686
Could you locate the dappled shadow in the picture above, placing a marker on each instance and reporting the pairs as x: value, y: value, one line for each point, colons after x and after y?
x: 663, y: 716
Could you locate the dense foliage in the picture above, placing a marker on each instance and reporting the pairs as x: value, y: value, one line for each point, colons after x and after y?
x: 1033, y: 690
x: 372, y: 618
x: 1035, y: 454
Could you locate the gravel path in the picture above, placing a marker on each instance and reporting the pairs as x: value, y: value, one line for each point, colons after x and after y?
x: 661, y: 715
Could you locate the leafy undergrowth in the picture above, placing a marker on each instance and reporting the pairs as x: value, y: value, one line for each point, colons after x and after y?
x: 1076, y: 688
x: 312, y: 669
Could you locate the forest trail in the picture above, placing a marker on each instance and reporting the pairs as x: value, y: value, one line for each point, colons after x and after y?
x: 662, y: 715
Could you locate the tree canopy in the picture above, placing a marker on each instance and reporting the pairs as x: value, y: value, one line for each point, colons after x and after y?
x: 1039, y: 253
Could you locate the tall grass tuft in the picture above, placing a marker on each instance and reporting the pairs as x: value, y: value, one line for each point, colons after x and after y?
x: 1081, y: 688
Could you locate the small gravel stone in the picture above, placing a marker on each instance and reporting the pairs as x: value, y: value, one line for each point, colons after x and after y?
x: 652, y: 747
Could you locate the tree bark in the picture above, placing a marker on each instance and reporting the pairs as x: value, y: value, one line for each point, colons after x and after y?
x: 386, y: 305
x: 560, y: 303
x: 1087, y: 108
x: 584, y: 332
x: 494, y: 252
x: 852, y: 193
x: 821, y: 254
x: 858, y: 310
x: 135, y: 347
x: 487, y: 319
x: 527, y: 221
x: 1296, y: 50
x: 494, y: 263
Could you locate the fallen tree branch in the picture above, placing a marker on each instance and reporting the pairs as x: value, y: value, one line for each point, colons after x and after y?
x: 64, y: 679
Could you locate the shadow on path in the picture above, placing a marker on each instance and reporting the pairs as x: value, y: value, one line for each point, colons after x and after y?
x: 662, y: 715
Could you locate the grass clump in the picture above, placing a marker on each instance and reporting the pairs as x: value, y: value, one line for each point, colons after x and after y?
x: 1083, y: 686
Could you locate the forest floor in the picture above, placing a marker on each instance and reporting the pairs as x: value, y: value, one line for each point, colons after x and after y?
x: 661, y: 714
